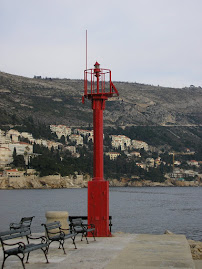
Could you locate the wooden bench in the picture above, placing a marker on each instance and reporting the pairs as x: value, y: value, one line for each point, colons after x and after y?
x: 55, y: 233
x: 24, y: 222
x: 20, y: 248
x: 77, y: 226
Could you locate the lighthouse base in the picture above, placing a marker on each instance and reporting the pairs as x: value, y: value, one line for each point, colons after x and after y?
x: 98, y: 207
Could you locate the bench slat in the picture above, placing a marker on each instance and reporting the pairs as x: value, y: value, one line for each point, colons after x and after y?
x: 14, y: 234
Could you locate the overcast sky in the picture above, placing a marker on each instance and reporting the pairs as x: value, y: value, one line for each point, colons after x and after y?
x: 155, y: 42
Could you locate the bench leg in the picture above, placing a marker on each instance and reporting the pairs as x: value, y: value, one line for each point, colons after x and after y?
x: 73, y: 239
x: 86, y: 238
x: 22, y: 260
x: 27, y: 257
x: 45, y: 251
x: 62, y: 244
x: 5, y: 257
x: 93, y: 234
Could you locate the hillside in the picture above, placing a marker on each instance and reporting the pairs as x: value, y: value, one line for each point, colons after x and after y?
x: 58, y: 101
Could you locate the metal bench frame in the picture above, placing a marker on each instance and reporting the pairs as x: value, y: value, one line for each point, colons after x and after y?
x: 21, y: 248
x: 24, y: 222
x: 55, y: 233
x: 78, y: 226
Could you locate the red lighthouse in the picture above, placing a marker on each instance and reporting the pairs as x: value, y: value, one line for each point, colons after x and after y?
x: 98, y: 87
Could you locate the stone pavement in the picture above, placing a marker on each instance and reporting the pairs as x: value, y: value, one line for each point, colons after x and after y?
x: 122, y: 251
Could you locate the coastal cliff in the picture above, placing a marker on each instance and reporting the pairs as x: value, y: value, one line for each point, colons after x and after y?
x: 80, y: 181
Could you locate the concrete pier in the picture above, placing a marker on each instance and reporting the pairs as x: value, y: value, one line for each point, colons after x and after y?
x: 121, y: 251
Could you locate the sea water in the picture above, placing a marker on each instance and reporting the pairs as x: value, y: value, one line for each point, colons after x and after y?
x: 149, y: 210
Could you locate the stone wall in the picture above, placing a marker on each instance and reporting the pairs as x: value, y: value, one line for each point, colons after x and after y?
x: 80, y: 181
x: 49, y: 182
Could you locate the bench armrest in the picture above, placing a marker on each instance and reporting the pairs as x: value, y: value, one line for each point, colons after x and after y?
x: 43, y: 238
x: 21, y: 245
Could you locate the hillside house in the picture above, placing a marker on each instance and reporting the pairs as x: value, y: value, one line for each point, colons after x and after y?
x: 53, y: 144
x: 76, y: 138
x: 84, y: 132
x: 72, y: 149
x: 13, y: 173
x: 141, y: 165
x: 6, y: 156
x: 61, y: 130
x: 113, y: 155
x: 22, y: 148
x: 4, y: 139
x: 193, y: 163
x: 13, y: 135
x: 121, y: 141
x: 28, y: 136
x: 177, y: 163
x: 138, y: 144
x: 157, y: 161
x: 41, y: 142
x: 135, y: 154
x: 150, y: 162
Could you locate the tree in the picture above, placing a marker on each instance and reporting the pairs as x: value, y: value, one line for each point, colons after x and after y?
x: 18, y: 161
x: 62, y: 140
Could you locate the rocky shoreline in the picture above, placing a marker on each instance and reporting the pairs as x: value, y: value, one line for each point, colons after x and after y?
x: 80, y: 181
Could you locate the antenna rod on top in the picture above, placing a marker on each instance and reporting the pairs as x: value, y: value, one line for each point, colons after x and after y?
x: 86, y: 49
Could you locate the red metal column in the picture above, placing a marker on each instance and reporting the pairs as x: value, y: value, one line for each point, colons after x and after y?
x: 98, y: 139
x: 98, y: 188
x: 98, y: 207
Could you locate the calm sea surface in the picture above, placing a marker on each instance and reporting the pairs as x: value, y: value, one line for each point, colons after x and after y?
x: 134, y: 210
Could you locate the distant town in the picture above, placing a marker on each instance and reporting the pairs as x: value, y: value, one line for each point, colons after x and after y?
x: 19, y: 152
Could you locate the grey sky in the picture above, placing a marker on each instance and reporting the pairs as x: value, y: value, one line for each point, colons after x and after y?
x: 146, y: 41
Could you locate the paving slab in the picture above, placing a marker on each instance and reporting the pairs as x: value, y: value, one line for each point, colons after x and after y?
x: 154, y: 251
x: 119, y: 251
x: 198, y: 264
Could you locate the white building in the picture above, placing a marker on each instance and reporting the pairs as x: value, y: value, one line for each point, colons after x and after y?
x: 53, y: 144
x: 61, y: 130
x: 150, y: 162
x: 121, y: 141
x: 72, y: 149
x: 28, y: 136
x: 193, y: 163
x: 6, y: 156
x: 4, y: 139
x: 91, y: 138
x: 13, y: 173
x: 136, y: 154
x: 13, y: 135
x: 76, y: 138
x: 22, y: 148
x: 84, y: 132
x: 137, y: 144
x: 141, y: 165
x: 41, y: 142
x: 113, y: 155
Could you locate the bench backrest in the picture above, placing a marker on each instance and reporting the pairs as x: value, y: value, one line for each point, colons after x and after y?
x: 11, y: 234
x: 52, y: 227
x: 76, y: 222
x: 26, y: 221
